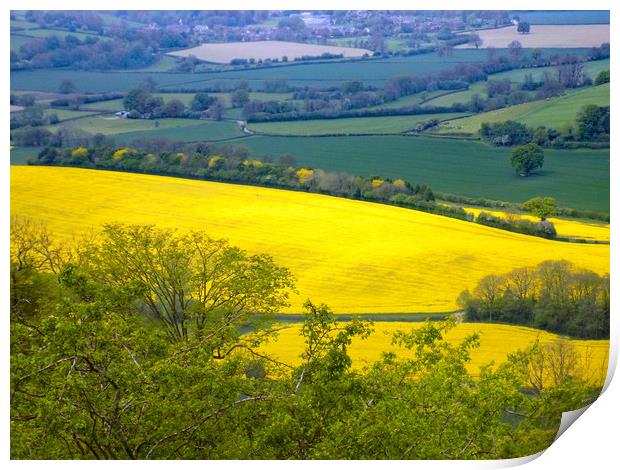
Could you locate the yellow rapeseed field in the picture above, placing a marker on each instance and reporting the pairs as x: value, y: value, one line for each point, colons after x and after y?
x: 496, y: 342
x: 355, y: 256
x: 569, y: 228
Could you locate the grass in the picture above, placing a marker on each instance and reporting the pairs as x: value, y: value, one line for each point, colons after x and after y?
x: 23, y: 24
x: 201, y: 131
x: 557, y: 113
x: 109, y: 105
x: 357, y: 257
x: 365, y: 125
x: 111, y: 125
x: 21, y: 155
x: 496, y: 343
x: 64, y: 114
x: 371, y: 71
x: 576, y: 178
x: 18, y: 41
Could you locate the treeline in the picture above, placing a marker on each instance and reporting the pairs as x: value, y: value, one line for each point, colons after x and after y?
x: 353, y: 95
x: 233, y: 163
x: 554, y: 296
x: 144, y: 343
x: 593, y: 131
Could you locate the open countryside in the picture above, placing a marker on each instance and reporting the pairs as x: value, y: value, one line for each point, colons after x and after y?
x: 300, y: 235
x: 336, y: 248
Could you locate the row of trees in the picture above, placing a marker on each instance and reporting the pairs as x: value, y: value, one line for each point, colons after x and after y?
x: 593, y: 126
x: 130, y: 346
x: 554, y: 296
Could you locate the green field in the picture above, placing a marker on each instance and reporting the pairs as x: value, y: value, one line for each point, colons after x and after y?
x: 21, y: 155
x: 517, y: 77
x: 201, y: 131
x: 410, y: 100
x: 371, y: 71
x: 577, y: 178
x: 43, y: 33
x: 23, y: 24
x: 18, y: 41
x: 365, y: 125
x: 64, y: 114
x: 109, y: 105
x: 557, y: 113
x: 110, y: 125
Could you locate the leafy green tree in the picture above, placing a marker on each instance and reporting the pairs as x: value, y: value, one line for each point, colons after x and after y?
x: 527, y: 158
x: 523, y: 27
x: 542, y: 207
x: 602, y: 77
x: 202, y: 101
x: 174, y: 108
x: 594, y: 122
x: 135, y: 99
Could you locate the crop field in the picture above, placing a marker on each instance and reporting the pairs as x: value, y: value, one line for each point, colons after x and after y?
x: 410, y: 100
x: 372, y: 71
x: 566, y: 227
x: 111, y: 125
x: 21, y: 155
x: 355, y: 256
x: 18, y: 41
x: 108, y: 105
x: 557, y: 113
x: 44, y: 33
x: 199, y: 131
x: 576, y: 178
x: 223, y: 53
x: 556, y: 35
x: 496, y: 343
x: 565, y: 17
x: 64, y: 114
x: 365, y: 125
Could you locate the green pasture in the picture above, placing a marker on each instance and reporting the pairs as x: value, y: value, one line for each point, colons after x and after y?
x: 557, y: 113
x: 576, y: 178
x: 364, y: 125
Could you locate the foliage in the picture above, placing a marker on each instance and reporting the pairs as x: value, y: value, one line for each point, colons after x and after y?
x: 594, y: 122
x: 602, y: 77
x: 93, y: 378
x: 554, y: 296
x: 542, y: 207
x: 527, y: 158
x: 506, y: 133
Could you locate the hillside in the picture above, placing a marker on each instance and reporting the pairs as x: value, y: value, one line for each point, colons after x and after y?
x: 357, y: 257
x: 557, y: 113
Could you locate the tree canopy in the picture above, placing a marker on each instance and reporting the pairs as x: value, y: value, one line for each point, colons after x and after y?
x: 527, y: 158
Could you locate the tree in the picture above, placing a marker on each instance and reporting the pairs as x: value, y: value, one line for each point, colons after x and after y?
x: 570, y: 73
x: 66, y: 87
x: 593, y: 122
x: 174, y: 108
x: 515, y: 49
x: 202, y: 101
x: 602, y: 77
x: 523, y: 27
x: 542, y: 207
x: 239, y: 98
x: 135, y: 100
x: 527, y: 158
x: 475, y: 39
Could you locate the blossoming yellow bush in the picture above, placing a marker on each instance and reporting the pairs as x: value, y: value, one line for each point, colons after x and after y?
x: 79, y: 152
x: 304, y: 175
x: 377, y: 182
x: 120, y: 153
